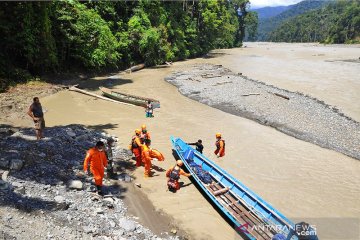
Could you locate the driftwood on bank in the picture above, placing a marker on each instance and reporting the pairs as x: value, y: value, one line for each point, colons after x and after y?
x: 135, y: 68
x: 250, y: 94
x: 283, y: 96
x: 75, y: 89
x: 210, y: 76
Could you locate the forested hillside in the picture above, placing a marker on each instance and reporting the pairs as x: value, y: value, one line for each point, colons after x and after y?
x: 268, y: 12
x: 338, y: 22
x: 41, y: 37
x: 267, y: 25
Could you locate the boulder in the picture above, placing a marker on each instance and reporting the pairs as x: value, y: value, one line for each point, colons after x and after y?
x: 99, y: 211
x: 75, y: 184
x: 59, y: 199
x: 5, y: 175
x: 4, y: 163
x: 16, y: 164
x: 127, y: 225
x: 70, y: 133
x: 3, y: 185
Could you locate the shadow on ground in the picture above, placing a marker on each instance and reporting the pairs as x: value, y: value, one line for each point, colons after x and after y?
x: 34, y: 170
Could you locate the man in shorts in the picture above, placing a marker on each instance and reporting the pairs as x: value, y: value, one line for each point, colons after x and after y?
x: 36, y: 113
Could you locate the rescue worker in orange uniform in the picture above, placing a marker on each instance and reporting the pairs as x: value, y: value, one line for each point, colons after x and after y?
x: 96, y: 157
x: 145, y: 155
x: 173, y: 175
x: 220, y: 146
x: 144, y: 134
x: 136, y: 147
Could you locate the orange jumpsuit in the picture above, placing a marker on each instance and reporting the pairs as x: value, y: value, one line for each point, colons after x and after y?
x: 220, y: 147
x: 145, y: 155
x: 181, y: 172
x: 98, y: 162
x: 136, y: 149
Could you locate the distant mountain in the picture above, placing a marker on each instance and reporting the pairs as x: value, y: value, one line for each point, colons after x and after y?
x: 267, y: 12
x: 337, y: 22
x: 267, y: 25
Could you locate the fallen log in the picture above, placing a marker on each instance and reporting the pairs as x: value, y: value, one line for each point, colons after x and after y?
x: 283, y: 96
x: 250, y: 94
x: 209, y: 76
x: 75, y: 89
x: 135, y: 68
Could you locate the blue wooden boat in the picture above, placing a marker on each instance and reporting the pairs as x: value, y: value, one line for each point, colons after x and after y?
x: 251, y: 215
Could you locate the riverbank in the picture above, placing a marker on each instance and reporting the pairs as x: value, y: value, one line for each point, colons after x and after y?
x: 292, y: 113
x: 302, y: 180
x: 46, y: 195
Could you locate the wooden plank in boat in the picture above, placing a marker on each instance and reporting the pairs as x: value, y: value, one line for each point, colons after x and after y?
x: 240, y: 212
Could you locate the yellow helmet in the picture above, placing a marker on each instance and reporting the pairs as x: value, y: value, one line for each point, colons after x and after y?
x: 137, y: 131
x: 179, y: 163
x: 218, y: 135
x: 143, y: 127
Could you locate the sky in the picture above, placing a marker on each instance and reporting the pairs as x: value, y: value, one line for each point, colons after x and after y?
x: 272, y: 3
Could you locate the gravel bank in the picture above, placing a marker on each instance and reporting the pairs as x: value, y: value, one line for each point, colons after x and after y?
x: 45, y: 195
x: 293, y: 113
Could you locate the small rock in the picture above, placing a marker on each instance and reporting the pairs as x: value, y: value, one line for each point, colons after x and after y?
x: 75, y: 184
x: 173, y: 231
x: 70, y: 133
x: 109, y: 200
x: 127, y: 178
x: 87, y: 229
x: 99, y: 211
x: 4, y: 185
x: 16, y: 184
x: 138, y: 185
x: 59, y: 199
x: 118, y: 233
x: 112, y: 224
x: 128, y: 225
x: 20, y: 190
x: 4, y: 175
x: 42, y: 155
x: 4, y: 163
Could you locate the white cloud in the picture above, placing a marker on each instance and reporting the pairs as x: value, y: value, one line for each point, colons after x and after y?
x: 272, y: 3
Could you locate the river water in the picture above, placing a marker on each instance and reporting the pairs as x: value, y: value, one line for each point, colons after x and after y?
x: 301, y: 180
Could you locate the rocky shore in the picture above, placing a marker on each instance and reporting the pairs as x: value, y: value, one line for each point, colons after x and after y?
x: 45, y: 195
x: 293, y: 113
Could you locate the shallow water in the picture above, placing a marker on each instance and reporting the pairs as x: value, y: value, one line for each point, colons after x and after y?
x: 301, y: 180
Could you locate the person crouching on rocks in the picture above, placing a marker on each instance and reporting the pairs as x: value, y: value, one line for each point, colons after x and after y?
x: 173, y: 175
x: 96, y: 157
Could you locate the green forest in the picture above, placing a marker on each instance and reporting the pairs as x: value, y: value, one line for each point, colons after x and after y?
x: 337, y: 22
x: 63, y: 36
x: 267, y: 25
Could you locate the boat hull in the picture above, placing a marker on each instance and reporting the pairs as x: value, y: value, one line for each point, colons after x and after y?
x: 246, y: 210
x: 127, y: 98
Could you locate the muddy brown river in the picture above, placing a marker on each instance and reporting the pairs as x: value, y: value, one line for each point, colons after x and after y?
x: 301, y: 180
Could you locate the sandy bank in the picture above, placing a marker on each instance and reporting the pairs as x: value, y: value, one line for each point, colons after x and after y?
x: 292, y: 113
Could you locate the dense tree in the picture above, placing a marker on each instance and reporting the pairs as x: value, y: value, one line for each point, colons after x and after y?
x: 251, y: 22
x: 338, y: 22
x: 41, y: 37
x: 267, y: 25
